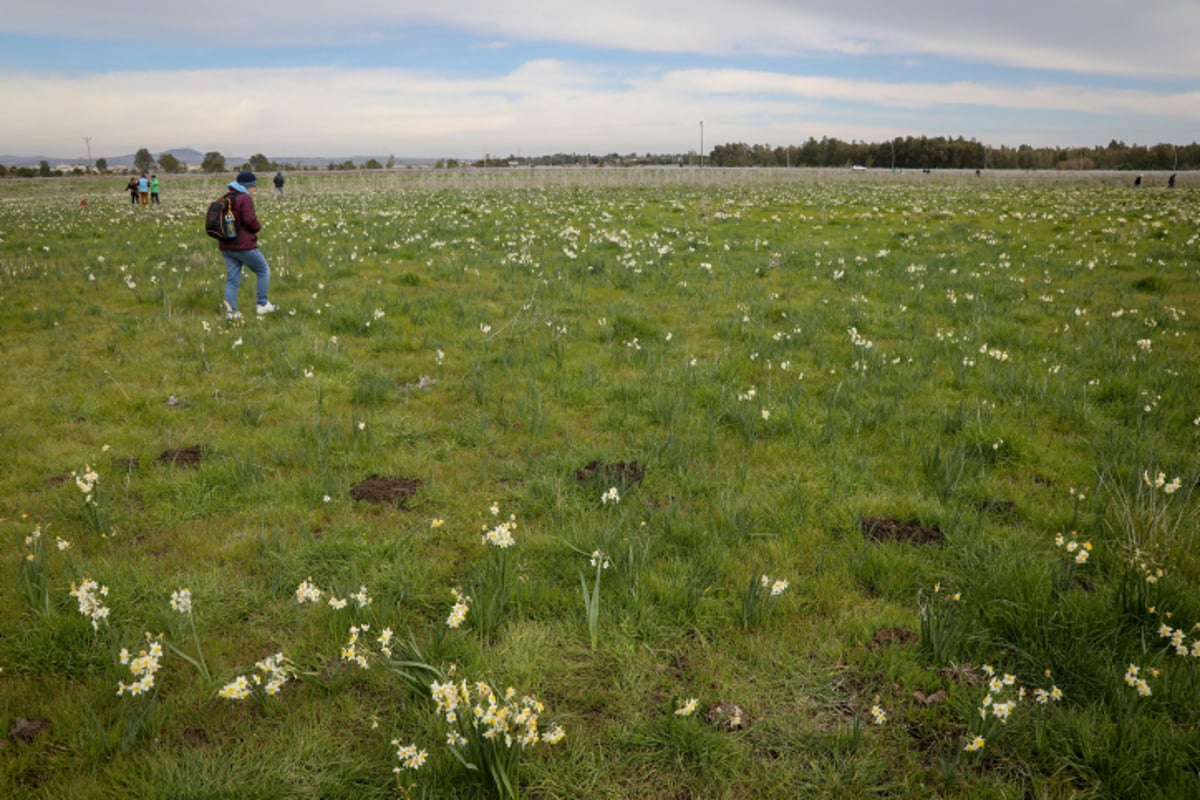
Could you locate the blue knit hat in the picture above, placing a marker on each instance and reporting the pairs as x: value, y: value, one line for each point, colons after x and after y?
x: 246, y: 178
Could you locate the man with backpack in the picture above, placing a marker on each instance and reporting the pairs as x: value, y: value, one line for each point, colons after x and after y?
x: 242, y: 250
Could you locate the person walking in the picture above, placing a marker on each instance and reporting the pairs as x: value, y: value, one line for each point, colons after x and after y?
x: 144, y: 189
x: 279, y: 184
x: 132, y: 188
x: 243, y: 251
x: 154, y: 189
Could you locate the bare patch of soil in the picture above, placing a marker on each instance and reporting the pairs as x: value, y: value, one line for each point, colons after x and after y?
x: 890, y: 636
x: 181, y: 456
x: 59, y: 479
x: 728, y: 716
x: 196, y: 737
x: 882, y: 529
x: 930, y: 699
x: 385, y: 491
x: 620, y: 473
x: 961, y: 673
x: 27, y: 729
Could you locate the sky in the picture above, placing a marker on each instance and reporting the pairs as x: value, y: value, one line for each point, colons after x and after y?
x: 469, y: 78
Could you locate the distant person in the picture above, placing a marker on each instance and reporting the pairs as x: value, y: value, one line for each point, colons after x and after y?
x: 132, y: 188
x: 154, y: 189
x: 1171, y: 181
x: 279, y: 184
x: 1137, y: 182
x: 143, y: 186
x: 243, y: 251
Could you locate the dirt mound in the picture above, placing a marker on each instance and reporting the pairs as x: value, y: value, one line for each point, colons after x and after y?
x: 889, y: 636
x: 180, y: 456
x: 727, y: 716
x: 882, y: 529
x: 621, y: 473
x: 27, y: 729
x: 385, y: 491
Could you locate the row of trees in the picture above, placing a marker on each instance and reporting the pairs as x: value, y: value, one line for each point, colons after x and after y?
x: 941, y: 153
x: 900, y: 153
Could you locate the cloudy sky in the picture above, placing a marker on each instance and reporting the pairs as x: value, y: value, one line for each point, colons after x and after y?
x: 464, y: 78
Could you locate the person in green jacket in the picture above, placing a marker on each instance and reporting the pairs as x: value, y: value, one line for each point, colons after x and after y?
x: 154, y: 189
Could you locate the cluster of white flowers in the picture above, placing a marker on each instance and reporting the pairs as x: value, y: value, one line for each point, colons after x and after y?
x: 458, y: 614
x: 776, y: 587
x: 361, y: 598
x: 610, y: 496
x: 88, y: 594
x: 688, y: 708
x: 143, y: 666
x: 1160, y: 482
x: 410, y: 757
x: 273, y: 672
x: 1082, y: 550
x: 1133, y: 678
x: 859, y: 341
x: 999, y: 355
x: 181, y: 601
x: 350, y: 651
x: 497, y: 718
x: 996, y: 705
x: 307, y: 592
x: 1178, y: 638
x: 87, y: 480
x: 502, y: 534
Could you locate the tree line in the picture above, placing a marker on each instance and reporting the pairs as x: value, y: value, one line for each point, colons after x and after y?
x: 924, y: 152
x: 907, y: 153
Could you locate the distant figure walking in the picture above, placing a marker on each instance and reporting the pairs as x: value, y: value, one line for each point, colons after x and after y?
x: 278, y: 184
x: 154, y: 189
x: 143, y: 187
x: 132, y: 188
x: 1137, y: 182
x: 1171, y: 181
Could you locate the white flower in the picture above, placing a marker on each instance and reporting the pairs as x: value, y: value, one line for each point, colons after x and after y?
x: 688, y: 708
x: 181, y: 601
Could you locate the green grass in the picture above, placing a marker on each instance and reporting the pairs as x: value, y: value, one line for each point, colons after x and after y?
x: 786, y: 355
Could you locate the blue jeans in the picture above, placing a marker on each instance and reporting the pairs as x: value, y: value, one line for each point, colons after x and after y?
x: 252, y: 260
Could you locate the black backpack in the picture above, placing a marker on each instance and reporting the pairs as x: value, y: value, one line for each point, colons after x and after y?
x: 219, y: 222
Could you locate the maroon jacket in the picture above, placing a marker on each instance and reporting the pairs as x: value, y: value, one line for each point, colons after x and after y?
x: 248, y: 224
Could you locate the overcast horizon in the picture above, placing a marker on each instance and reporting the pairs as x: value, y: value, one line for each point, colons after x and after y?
x: 536, y: 78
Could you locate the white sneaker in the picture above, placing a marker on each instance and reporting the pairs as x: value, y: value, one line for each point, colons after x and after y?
x: 234, y: 314
x: 266, y: 308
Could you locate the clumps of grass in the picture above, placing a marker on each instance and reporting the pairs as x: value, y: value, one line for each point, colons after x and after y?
x: 943, y: 624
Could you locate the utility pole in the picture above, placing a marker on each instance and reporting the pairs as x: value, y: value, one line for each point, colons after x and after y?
x: 702, y: 144
x: 88, y: 141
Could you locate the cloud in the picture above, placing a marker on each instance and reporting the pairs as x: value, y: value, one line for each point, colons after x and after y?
x: 543, y: 106
x: 1107, y: 37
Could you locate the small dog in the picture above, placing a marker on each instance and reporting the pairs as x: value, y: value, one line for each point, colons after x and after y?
x: 83, y: 204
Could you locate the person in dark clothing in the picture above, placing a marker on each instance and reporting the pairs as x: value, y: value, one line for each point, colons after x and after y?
x: 279, y: 184
x: 243, y: 251
x: 132, y: 188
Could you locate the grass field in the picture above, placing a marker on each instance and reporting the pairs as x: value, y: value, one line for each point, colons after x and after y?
x: 749, y: 484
